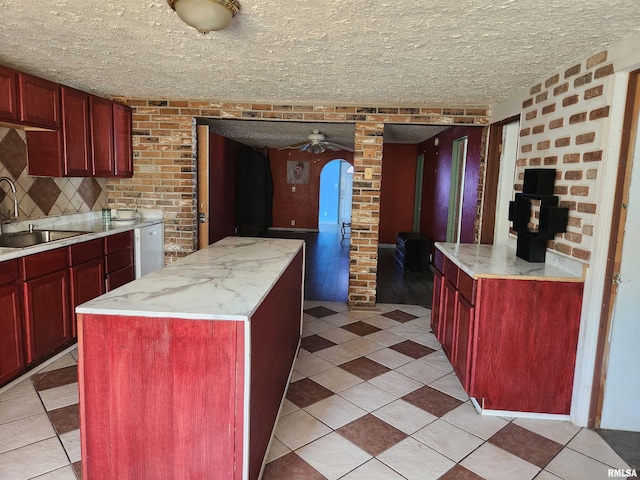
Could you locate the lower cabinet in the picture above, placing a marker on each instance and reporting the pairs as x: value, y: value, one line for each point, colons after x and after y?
x: 510, y: 341
x: 12, y: 361
x: 87, y: 276
x: 119, y: 265
x: 46, y: 302
x: 39, y: 294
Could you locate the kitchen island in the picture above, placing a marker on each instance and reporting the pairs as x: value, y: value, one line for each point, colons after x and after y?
x: 182, y: 372
x: 509, y: 327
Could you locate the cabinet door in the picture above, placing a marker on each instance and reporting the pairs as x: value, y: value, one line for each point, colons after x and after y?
x: 9, y: 94
x: 120, y: 277
x: 87, y: 283
x: 449, y: 320
x: 122, y: 140
x: 39, y: 101
x: 102, y: 136
x: 436, y: 305
x: 75, y: 128
x: 464, y: 338
x: 11, y: 352
x: 46, y: 313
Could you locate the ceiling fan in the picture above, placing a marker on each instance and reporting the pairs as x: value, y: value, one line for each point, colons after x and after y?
x: 316, y: 143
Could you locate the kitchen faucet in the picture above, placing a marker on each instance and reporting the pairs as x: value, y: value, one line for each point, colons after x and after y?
x: 15, y: 199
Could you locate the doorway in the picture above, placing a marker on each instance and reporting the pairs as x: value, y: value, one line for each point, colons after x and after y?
x: 456, y: 189
x: 619, y: 384
x: 336, y: 186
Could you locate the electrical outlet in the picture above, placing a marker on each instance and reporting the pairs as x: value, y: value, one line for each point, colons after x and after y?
x: 293, y: 222
x: 368, y: 173
x: 293, y: 189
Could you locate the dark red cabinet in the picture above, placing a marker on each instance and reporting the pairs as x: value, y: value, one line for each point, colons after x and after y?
x: 86, y: 272
x: 39, y: 101
x: 9, y: 106
x: 102, y: 137
x: 119, y: 265
x: 510, y: 341
x: 12, y: 360
x: 122, y: 140
x: 75, y: 133
x: 46, y: 302
x: 436, y: 311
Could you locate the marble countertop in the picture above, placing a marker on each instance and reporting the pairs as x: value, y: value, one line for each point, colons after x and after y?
x: 500, y: 261
x: 228, y: 280
x: 88, y: 222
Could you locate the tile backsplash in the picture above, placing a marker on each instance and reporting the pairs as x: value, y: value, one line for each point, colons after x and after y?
x: 42, y: 196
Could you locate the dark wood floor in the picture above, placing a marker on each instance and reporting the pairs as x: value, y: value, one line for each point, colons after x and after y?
x: 327, y: 271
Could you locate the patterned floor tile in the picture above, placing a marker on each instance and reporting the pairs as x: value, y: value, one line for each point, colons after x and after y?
x: 430, y: 427
x: 447, y: 439
x: 364, y: 368
x: 306, y: 392
x: 372, y: 434
x: 335, y: 411
x: 55, y: 378
x: 299, y: 428
x: 526, y: 444
x: 320, y: 311
x: 416, y: 461
x: 336, y: 379
x: 404, y: 416
x: 373, y: 470
x: 399, y: 316
x: 368, y: 396
x: 337, y: 354
x: 65, y: 419
x: 432, y: 401
x: 314, y: 343
x: 361, y: 328
x: 493, y: 463
x: 291, y: 466
x: 412, y: 349
x: 460, y: 473
x: 333, y: 456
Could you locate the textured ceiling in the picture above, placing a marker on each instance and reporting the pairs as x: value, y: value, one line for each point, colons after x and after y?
x: 360, y: 52
x: 282, y: 134
x: 365, y: 52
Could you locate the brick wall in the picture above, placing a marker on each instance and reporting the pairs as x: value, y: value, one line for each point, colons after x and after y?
x: 165, y: 167
x: 562, y: 127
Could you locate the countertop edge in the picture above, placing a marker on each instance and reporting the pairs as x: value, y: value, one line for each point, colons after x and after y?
x: 7, y: 253
x: 558, y: 275
x: 175, y: 280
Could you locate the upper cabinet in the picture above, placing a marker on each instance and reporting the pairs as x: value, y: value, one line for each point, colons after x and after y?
x: 70, y: 133
x: 122, y: 144
x: 76, y: 133
x: 102, y: 137
x: 39, y: 101
x: 9, y: 95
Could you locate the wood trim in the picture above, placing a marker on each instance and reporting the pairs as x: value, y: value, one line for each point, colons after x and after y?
x: 492, y: 174
x: 618, y: 219
x: 203, y: 185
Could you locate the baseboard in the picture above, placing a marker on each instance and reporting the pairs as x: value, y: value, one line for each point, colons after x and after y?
x: 284, y: 229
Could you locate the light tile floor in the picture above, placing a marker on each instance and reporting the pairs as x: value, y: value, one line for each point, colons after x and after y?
x: 372, y: 397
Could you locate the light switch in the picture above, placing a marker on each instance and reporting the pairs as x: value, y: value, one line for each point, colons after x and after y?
x: 368, y: 173
x: 293, y: 189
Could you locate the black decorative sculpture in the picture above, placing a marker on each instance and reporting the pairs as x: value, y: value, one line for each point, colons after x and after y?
x: 538, y: 185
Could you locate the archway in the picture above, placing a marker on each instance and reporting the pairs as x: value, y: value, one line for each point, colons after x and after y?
x: 334, y: 206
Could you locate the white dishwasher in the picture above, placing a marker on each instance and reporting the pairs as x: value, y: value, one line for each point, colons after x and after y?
x: 149, y: 248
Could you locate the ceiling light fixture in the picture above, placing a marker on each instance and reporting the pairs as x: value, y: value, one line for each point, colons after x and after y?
x: 206, y: 15
x: 315, y: 148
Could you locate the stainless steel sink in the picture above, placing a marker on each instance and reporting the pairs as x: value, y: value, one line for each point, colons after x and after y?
x: 35, y: 237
